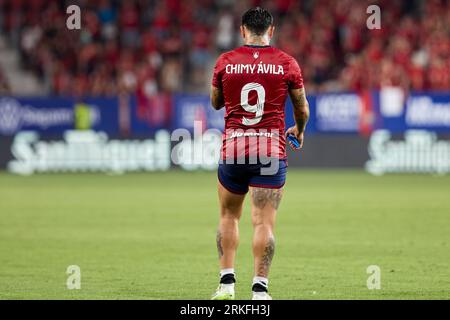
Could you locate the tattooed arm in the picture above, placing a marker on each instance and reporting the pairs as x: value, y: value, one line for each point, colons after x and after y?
x: 301, y: 113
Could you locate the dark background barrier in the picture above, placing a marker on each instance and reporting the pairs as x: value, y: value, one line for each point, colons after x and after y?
x: 335, y: 151
x: 5, y: 151
x: 324, y: 150
x: 341, y: 151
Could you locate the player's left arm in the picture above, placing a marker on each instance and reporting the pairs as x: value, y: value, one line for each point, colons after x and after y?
x: 217, y: 99
x: 299, y: 102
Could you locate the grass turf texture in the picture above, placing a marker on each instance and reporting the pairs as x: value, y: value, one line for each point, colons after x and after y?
x: 152, y: 236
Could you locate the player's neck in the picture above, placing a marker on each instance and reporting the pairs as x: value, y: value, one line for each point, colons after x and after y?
x: 257, y: 41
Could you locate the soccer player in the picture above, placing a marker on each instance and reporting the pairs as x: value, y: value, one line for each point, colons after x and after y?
x: 252, y: 83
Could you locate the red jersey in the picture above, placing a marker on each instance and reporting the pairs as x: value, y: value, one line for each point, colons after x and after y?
x: 255, y: 81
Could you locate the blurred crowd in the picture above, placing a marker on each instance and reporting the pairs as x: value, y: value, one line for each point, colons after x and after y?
x: 153, y: 46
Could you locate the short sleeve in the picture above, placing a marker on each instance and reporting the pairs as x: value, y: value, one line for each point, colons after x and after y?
x: 218, y: 72
x: 294, y: 76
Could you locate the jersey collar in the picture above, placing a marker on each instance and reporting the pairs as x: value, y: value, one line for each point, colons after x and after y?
x: 256, y: 46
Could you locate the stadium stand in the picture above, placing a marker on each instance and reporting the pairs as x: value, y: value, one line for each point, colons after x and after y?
x: 171, y: 46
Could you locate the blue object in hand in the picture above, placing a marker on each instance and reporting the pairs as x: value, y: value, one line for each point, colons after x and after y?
x: 292, y: 139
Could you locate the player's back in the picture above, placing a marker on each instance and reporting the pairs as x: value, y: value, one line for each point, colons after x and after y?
x: 255, y: 81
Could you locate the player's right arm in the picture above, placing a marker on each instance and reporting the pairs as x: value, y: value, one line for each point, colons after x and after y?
x: 301, y: 114
x: 217, y: 99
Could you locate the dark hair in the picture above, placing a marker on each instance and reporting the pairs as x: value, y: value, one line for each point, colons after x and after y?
x: 257, y: 20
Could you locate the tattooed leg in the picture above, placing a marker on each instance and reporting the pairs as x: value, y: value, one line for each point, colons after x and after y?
x: 263, y: 266
x: 219, y: 244
x: 265, y: 203
x: 263, y: 196
x: 227, y: 238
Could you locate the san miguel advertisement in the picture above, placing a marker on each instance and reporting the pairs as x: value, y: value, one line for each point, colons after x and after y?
x: 407, y: 134
x: 94, y: 151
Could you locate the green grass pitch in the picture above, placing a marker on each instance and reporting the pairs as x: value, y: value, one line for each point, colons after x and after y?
x: 152, y: 236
